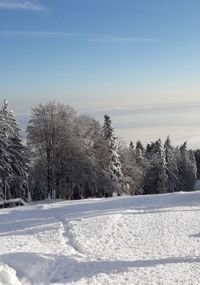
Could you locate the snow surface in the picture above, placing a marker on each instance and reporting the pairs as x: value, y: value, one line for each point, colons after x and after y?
x: 151, y: 239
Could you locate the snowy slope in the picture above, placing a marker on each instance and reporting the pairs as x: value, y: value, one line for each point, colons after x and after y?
x: 122, y: 240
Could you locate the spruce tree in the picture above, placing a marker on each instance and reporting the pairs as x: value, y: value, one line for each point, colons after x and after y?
x: 156, y: 174
x: 187, y: 168
x: 172, y: 166
x: 4, y: 156
x: 115, y: 168
x: 193, y: 164
x: 197, y: 158
x: 15, y: 172
x: 139, y: 152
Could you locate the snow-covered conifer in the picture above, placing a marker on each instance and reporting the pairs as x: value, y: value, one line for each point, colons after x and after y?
x: 193, y: 163
x: 187, y: 168
x: 197, y: 158
x: 172, y: 167
x: 115, y: 168
x: 15, y: 170
x: 156, y: 174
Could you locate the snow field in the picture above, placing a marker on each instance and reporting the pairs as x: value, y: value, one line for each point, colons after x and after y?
x: 122, y: 240
x: 158, y: 247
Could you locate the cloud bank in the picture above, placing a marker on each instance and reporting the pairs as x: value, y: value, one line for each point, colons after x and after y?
x: 152, y: 116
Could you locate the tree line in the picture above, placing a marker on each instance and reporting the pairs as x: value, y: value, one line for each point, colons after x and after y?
x: 71, y: 156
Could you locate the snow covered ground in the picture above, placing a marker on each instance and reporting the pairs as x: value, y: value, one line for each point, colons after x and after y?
x: 122, y: 240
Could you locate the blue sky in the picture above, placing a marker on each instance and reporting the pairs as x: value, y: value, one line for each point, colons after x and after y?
x: 106, y: 56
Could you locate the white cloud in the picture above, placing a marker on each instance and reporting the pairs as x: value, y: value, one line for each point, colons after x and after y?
x: 21, y: 5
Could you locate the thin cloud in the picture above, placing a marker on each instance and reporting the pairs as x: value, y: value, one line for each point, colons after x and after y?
x: 34, y: 34
x: 21, y: 5
x: 84, y: 37
x: 116, y: 39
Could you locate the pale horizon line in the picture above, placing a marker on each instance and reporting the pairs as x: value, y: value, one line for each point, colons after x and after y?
x: 151, y: 107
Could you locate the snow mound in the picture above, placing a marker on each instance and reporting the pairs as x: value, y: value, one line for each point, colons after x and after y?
x: 12, y: 203
x: 8, y: 275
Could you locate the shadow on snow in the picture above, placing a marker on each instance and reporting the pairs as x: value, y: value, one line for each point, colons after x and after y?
x: 52, y: 268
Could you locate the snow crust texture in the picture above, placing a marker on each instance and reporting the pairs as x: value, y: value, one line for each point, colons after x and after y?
x: 122, y: 240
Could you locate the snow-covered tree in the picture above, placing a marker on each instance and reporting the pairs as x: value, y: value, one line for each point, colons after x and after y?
x: 115, y: 168
x: 197, y: 158
x: 132, y: 171
x: 95, y: 151
x: 14, y: 173
x: 193, y: 163
x: 139, y: 151
x: 50, y: 136
x: 187, y: 168
x: 156, y: 174
x: 172, y: 166
x: 4, y: 156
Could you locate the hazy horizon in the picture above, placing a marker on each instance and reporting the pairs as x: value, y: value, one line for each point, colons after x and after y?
x: 141, y: 123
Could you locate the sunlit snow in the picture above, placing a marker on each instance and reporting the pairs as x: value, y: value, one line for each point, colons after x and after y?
x: 121, y: 240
